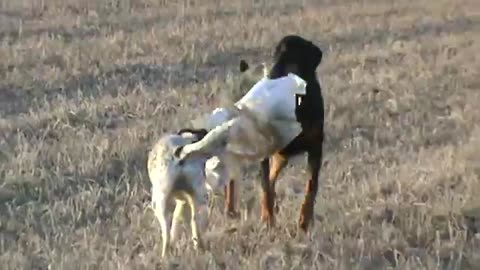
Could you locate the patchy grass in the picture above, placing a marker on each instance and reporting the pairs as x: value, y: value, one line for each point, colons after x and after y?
x: 87, y: 86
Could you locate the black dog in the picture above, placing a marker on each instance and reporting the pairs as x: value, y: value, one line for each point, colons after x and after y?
x: 294, y: 54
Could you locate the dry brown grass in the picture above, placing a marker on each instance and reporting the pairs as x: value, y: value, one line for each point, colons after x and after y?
x: 87, y: 86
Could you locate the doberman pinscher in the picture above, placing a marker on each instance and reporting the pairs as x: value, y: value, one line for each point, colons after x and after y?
x: 294, y: 54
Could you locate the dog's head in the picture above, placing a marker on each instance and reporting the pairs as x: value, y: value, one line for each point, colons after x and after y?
x: 294, y: 54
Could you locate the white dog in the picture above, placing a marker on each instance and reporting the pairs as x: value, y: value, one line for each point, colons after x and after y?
x: 259, y: 124
x: 178, y: 183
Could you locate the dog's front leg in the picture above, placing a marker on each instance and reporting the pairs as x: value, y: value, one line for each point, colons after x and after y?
x: 311, y: 188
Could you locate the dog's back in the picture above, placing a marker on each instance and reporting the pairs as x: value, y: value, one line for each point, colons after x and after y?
x: 165, y: 173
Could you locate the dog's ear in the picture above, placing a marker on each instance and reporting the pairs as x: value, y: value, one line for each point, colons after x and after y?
x: 243, y: 65
x: 314, y: 56
x: 281, y: 58
x: 279, y: 50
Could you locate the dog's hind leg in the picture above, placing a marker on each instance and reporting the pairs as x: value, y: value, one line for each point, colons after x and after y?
x: 230, y: 199
x: 196, y: 234
x: 232, y: 175
x: 177, y: 217
x: 161, y: 213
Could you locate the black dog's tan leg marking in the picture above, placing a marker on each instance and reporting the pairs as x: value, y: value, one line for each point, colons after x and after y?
x: 270, y: 175
x: 279, y: 162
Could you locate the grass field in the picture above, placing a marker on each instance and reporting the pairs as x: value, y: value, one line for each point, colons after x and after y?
x: 86, y: 87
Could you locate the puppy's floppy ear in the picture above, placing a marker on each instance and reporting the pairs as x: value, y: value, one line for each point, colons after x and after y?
x: 314, y: 55
x: 243, y: 65
x: 279, y: 50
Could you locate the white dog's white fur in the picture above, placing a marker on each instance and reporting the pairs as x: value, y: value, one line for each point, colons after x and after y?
x: 178, y: 186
